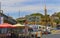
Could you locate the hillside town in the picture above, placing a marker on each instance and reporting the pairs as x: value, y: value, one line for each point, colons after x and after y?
x: 34, y: 25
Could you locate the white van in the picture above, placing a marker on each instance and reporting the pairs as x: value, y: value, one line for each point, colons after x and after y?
x: 37, y: 30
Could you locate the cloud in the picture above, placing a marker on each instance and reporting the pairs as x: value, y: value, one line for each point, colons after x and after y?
x: 16, y: 5
x: 23, y: 8
x: 10, y: 2
x: 30, y: 6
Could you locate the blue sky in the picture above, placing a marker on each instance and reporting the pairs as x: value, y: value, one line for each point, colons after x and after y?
x: 26, y: 7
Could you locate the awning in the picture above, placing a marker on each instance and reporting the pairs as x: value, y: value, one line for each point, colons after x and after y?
x: 6, y: 25
x: 19, y: 25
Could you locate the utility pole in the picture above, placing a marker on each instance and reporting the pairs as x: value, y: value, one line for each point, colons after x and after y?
x: 0, y: 8
x: 1, y: 11
x: 0, y: 5
x: 19, y: 13
x: 1, y: 18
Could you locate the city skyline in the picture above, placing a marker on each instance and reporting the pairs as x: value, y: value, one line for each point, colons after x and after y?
x: 25, y: 7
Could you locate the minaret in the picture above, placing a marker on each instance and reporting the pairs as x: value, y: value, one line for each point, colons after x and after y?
x: 45, y: 10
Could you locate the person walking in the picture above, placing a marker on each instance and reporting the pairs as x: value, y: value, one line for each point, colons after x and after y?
x: 13, y: 35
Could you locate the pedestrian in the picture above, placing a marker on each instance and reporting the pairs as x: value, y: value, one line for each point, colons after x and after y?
x: 8, y: 34
x: 13, y: 35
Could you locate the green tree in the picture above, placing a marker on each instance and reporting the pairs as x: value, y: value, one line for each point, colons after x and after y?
x: 57, y: 14
x: 37, y: 14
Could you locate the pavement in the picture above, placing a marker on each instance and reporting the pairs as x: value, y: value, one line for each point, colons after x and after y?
x: 55, y: 34
x: 51, y: 36
x: 55, y: 31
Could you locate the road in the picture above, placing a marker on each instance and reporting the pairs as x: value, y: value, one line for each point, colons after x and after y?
x: 51, y: 36
x: 55, y: 34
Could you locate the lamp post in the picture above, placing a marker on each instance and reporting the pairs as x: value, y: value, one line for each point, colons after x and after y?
x: 26, y: 28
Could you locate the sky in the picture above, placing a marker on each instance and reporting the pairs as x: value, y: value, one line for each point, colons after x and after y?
x: 20, y: 8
